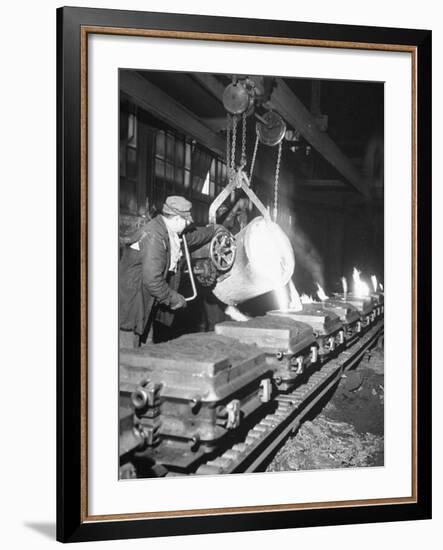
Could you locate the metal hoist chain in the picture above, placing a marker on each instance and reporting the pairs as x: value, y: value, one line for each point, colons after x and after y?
x: 228, y: 142
x: 231, y: 143
x: 243, y: 142
x: 254, y: 154
x: 277, y: 174
x: 234, y: 143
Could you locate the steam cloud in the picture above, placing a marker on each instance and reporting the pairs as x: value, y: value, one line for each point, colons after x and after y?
x: 306, y: 254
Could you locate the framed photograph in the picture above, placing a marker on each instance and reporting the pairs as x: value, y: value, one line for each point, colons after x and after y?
x: 244, y: 237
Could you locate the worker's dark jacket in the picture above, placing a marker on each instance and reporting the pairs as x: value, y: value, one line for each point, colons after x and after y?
x: 144, y: 277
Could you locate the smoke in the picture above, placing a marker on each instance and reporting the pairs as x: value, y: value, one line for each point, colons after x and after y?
x: 306, y: 255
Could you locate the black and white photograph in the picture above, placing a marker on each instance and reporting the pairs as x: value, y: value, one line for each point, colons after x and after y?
x: 218, y: 253
x: 251, y: 274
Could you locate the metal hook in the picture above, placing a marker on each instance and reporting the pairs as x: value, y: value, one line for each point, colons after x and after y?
x: 191, y: 275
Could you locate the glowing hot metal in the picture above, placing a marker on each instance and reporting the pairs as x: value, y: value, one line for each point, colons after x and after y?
x: 321, y: 293
x: 281, y: 297
x: 361, y: 289
x: 305, y: 299
x: 295, y: 302
x: 344, y: 283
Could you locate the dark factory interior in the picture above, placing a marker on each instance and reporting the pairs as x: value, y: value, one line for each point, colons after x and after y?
x: 330, y: 190
x: 306, y: 158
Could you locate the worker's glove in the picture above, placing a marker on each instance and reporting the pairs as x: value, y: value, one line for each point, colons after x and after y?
x: 219, y: 227
x: 177, y: 301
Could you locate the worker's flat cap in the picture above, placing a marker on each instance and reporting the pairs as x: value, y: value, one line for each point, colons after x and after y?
x: 178, y: 206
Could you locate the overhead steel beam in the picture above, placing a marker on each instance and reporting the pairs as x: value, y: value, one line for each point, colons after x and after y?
x: 287, y: 104
x: 211, y: 84
x: 156, y: 101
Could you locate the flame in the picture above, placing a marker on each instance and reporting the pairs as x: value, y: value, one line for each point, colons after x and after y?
x: 295, y: 303
x: 344, y: 284
x: 305, y: 299
x: 361, y: 289
x: 285, y: 301
x: 282, y: 298
x: 374, y: 282
x: 321, y: 293
x: 381, y: 286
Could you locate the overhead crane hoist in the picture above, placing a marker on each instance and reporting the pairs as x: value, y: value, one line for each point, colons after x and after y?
x: 239, y: 99
x: 260, y: 257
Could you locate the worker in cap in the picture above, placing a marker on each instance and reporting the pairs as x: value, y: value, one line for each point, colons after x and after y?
x: 178, y: 206
x: 150, y: 271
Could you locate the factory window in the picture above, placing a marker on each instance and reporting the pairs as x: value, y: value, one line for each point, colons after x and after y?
x: 184, y: 167
x: 205, y: 190
x: 172, y: 162
x: 129, y: 129
x: 157, y: 161
x: 208, y: 179
x: 128, y: 141
x: 131, y: 148
x: 215, y: 178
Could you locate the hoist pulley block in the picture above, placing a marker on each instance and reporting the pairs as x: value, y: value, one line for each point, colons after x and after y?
x: 272, y: 129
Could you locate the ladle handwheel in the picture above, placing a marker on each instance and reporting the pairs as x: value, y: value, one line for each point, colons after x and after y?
x: 222, y: 250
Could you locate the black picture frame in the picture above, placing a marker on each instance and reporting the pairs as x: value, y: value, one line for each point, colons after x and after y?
x: 72, y: 519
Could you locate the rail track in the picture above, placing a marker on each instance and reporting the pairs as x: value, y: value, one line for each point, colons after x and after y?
x: 267, y: 435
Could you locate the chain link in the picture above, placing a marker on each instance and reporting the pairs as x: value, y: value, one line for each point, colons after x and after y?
x: 243, y: 141
x: 277, y: 174
x: 234, y: 142
x: 254, y: 154
x: 228, y: 142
